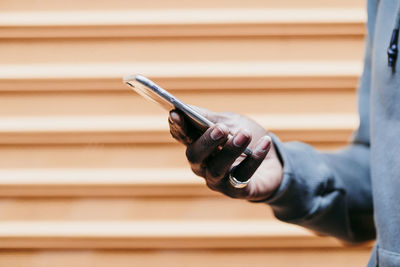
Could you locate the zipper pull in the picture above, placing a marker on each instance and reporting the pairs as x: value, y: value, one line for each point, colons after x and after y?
x: 393, y: 49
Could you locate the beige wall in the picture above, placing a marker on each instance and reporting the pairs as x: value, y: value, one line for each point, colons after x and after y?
x: 88, y: 167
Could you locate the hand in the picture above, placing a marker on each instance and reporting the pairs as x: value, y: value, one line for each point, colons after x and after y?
x: 212, y: 155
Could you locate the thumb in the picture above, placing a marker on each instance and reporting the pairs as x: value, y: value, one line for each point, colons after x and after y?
x: 208, y: 114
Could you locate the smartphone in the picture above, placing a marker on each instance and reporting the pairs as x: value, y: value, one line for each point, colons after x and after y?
x: 151, y: 91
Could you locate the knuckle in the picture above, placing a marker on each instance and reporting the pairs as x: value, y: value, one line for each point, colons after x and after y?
x: 175, y: 131
x: 206, y: 141
x: 186, y: 140
x: 216, y: 173
x: 197, y: 170
x: 191, y: 156
x: 174, y: 134
x: 257, y: 157
x: 181, y: 138
x: 212, y: 185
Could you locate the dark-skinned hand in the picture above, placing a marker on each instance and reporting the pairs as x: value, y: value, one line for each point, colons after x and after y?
x: 212, y: 154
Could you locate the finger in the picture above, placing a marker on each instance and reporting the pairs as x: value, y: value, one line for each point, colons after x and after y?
x: 176, y: 128
x: 179, y: 128
x: 176, y: 118
x: 245, y: 170
x: 219, y: 165
x: 207, y: 144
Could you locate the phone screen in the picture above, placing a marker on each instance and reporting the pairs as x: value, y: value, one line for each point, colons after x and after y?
x: 153, y: 92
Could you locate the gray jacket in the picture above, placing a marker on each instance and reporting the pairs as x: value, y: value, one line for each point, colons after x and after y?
x: 354, y: 194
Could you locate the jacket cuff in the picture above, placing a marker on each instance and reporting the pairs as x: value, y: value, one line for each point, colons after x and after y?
x: 283, y: 188
x: 304, y: 180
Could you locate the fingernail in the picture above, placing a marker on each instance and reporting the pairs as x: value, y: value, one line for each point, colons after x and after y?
x: 263, y: 145
x: 175, y: 118
x: 217, y: 133
x: 240, y: 139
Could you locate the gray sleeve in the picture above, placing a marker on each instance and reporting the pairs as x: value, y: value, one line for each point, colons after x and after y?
x: 330, y: 193
x: 327, y: 193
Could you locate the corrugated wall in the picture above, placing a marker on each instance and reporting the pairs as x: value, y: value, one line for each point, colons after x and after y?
x: 89, y: 175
